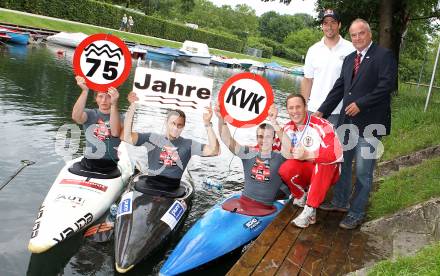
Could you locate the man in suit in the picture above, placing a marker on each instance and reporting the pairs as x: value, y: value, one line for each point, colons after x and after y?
x: 367, y: 79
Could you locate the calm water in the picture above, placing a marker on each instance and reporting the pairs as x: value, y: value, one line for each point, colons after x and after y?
x: 37, y: 93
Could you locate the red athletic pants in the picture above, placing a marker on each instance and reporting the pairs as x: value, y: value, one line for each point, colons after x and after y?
x: 316, y: 177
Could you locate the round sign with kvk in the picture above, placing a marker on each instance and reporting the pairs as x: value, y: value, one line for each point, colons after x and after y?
x: 245, y: 99
x: 103, y: 60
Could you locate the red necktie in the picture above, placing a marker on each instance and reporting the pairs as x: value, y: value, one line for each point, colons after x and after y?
x: 357, y: 63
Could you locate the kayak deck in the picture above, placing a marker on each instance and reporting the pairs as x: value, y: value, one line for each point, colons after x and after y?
x: 321, y: 249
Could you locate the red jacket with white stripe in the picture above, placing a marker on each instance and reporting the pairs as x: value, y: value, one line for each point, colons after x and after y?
x: 319, y: 137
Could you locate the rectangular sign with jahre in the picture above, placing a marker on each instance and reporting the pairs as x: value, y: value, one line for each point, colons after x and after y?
x: 172, y: 90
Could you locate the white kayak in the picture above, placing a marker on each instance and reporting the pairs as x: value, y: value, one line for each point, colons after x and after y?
x: 76, y: 199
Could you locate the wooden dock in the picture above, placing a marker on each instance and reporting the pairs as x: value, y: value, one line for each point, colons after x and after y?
x: 321, y: 249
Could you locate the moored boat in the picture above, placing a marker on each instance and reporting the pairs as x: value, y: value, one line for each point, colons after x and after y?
x: 4, y: 37
x: 298, y: 71
x: 16, y: 37
x: 196, y: 52
x: 164, y: 54
x: 67, y: 39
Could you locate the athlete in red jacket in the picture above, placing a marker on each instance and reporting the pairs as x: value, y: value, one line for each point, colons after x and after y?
x: 314, y: 153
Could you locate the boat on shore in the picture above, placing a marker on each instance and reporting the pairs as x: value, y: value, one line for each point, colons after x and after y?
x: 298, y: 71
x: 16, y: 37
x: 4, y: 37
x: 225, y: 62
x: 71, y: 40
x: 274, y: 66
x: 196, y: 52
x: 248, y: 64
x: 165, y: 54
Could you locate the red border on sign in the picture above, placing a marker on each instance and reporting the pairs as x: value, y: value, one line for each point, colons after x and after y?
x: 127, y: 58
x: 262, y: 116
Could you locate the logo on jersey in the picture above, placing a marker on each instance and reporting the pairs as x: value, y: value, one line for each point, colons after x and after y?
x: 308, y: 141
x: 102, y: 130
x: 168, y: 156
x: 261, y: 170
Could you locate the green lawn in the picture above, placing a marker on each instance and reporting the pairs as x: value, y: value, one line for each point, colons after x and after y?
x: 411, y: 128
x: 13, y: 17
x: 406, y: 188
x: 425, y: 262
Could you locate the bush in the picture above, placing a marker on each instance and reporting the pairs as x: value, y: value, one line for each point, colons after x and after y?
x: 278, y: 48
x: 105, y: 15
x: 254, y: 43
x: 293, y: 55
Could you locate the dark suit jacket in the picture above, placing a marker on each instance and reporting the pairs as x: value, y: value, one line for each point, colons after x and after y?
x: 370, y: 90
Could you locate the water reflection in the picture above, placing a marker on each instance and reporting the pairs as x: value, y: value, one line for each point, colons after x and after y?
x: 37, y: 93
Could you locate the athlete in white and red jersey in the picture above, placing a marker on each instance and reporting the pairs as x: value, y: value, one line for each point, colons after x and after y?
x: 314, y: 153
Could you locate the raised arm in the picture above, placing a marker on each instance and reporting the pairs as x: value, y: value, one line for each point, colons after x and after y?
x: 115, y: 118
x: 126, y: 134
x: 78, y: 113
x: 286, y: 146
x: 273, y: 113
x: 225, y: 134
x: 213, y: 147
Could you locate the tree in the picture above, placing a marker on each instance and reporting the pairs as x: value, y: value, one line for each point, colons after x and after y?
x: 187, y: 5
x: 301, y: 40
x: 277, y: 27
x: 390, y: 18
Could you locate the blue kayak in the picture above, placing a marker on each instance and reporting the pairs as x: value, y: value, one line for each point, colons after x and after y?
x: 217, y: 233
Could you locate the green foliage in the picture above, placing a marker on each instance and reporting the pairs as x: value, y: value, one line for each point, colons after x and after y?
x: 420, y: 16
x: 301, y: 40
x: 417, y: 53
x: 412, y: 129
x: 276, y: 27
x: 187, y: 6
x: 105, y: 15
x: 350, y: 10
x: 205, y: 14
x: 406, y: 188
x: 426, y: 262
x: 254, y: 42
x: 279, y: 50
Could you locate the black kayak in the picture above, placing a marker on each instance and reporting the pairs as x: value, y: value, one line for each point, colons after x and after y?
x: 147, y: 219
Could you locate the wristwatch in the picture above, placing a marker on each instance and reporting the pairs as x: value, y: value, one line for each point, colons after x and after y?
x: 208, y: 125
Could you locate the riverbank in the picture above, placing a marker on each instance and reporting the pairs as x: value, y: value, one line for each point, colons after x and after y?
x: 425, y: 262
x: 411, y: 128
x: 56, y: 24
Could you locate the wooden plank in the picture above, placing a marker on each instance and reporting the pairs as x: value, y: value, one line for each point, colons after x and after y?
x: 337, y: 259
x: 251, y: 258
x: 356, y: 251
x: 322, y: 245
x: 275, y: 256
x: 298, y: 253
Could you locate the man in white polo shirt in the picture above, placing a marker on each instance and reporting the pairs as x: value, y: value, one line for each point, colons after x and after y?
x: 323, y: 64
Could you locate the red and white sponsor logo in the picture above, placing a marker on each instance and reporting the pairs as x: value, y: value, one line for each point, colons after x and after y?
x: 88, y: 184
